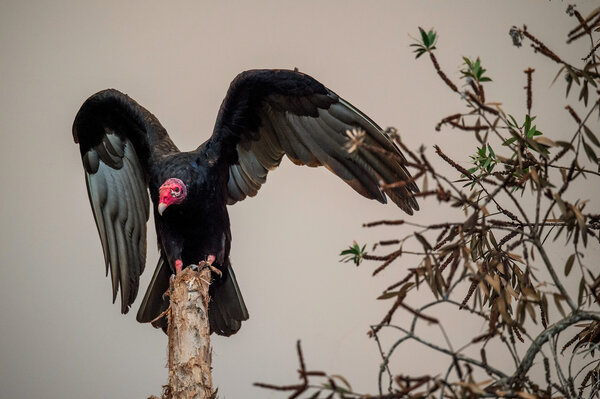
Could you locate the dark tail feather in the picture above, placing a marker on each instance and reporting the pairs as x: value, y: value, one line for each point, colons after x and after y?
x: 226, y: 309
x: 155, y: 302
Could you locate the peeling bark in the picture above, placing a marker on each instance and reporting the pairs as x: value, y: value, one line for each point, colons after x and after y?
x: 190, y: 354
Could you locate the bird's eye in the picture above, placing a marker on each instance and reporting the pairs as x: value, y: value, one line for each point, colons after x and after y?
x: 176, y: 189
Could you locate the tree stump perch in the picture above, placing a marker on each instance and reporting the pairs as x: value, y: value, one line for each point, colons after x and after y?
x: 190, y: 354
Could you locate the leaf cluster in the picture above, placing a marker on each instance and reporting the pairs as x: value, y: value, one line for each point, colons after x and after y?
x: 473, y: 70
x: 354, y: 253
x: 426, y: 43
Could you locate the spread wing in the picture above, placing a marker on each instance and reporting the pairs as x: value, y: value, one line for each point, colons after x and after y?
x: 116, y: 137
x: 269, y: 113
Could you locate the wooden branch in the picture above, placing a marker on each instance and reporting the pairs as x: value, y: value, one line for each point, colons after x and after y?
x: 190, y: 354
x: 543, y: 337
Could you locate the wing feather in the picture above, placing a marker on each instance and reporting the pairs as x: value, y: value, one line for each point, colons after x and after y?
x: 368, y: 178
x: 117, y: 138
x: 357, y: 173
x: 120, y: 206
x: 235, y: 192
x: 268, y: 149
x: 253, y: 169
x: 97, y: 196
x: 249, y: 186
x: 319, y: 146
x: 294, y: 148
x: 269, y: 113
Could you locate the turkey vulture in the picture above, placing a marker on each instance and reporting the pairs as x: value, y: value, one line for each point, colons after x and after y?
x: 265, y: 114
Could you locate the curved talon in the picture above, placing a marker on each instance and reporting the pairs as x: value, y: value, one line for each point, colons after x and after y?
x: 201, y: 265
x: 215, y: 270
x: 209, y: 261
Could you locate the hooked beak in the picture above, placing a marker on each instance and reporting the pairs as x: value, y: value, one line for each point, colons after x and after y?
x: 161, y: 208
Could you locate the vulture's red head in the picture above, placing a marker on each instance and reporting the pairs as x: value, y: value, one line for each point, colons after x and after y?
x: 172, y: 192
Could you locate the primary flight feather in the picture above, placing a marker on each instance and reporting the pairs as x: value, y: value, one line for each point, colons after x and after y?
x: 127, y: 154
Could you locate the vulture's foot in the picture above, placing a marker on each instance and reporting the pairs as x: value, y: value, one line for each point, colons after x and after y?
x: 209, y: 264
x: 178, y: 265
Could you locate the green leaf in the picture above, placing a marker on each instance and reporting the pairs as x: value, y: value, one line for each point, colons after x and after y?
x: 569, y: 83
x: 581, y: 292
x: 591, y: 136
x: 588, y: 78
x: 426, y: 44
x: 432, y: 36
x: 424, y: 37
x: 590, y: 152
x: 569, y: 264
x: 527, y: 124
x: 573, y: 75
x: 468, y: 62
x: 486, y: 163
x: 534, y: 145
x: 583, y: 94
x: 354, y: 253
x: 315, y: 395
x: 557, y: 75
x: 344, y: 381
x: 493, y: 240
x: 474, y: 70
x: 557, y: 300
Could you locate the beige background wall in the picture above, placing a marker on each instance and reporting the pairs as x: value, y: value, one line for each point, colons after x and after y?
x: 60, y: 337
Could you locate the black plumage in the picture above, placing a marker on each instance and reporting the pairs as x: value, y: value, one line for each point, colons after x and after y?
x: 126, y: 153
